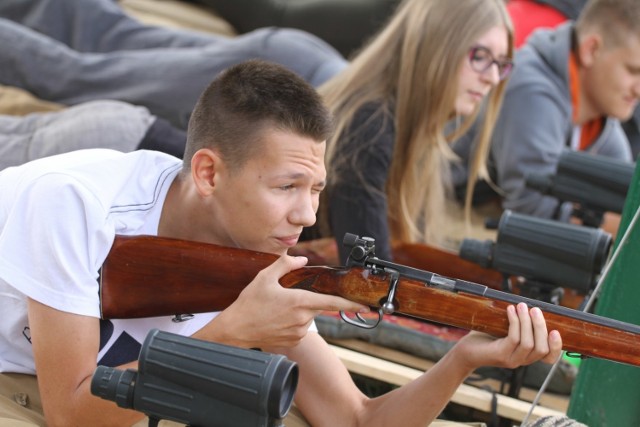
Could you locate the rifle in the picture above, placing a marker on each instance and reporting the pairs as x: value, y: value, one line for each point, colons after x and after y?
x: 323, y: 251
x: 147, y: 276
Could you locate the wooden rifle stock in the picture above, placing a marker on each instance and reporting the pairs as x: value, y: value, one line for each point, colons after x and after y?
x: 145, y: 276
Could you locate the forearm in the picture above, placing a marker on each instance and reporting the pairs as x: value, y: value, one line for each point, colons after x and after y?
x: 329, y: 400
x: 421, y: 401
x: 221, y: 330
x: 65, y: 349
x: 526, y: 342
x: 87, y: 409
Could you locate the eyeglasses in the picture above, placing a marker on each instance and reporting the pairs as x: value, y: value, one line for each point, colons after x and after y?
x: 481, y: 59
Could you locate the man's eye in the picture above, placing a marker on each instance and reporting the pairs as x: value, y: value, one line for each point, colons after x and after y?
x: 287, y: 187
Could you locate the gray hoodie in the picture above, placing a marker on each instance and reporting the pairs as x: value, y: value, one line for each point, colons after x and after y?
x: 535, y: 125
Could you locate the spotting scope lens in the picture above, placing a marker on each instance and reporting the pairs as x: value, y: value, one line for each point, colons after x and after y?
x: 542, y: 250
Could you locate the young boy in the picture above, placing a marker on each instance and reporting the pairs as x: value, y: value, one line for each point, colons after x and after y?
x: 251, y: 178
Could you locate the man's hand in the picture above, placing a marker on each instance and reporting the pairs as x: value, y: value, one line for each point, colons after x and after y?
x: 268, y: 315
x: 527, y: 341
x: 611, y: 223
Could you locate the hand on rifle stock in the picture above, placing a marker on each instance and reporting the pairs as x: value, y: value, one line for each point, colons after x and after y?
x: 267, y: 315
x: 527, y: 341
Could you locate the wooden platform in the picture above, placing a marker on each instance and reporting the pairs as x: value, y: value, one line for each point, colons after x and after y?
x: 398, y: 368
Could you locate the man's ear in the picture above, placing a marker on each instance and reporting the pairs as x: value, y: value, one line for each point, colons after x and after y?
x: 206, y: 167
x: 589, y: 47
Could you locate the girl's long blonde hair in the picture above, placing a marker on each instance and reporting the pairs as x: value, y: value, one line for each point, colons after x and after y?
x: 412, y: 67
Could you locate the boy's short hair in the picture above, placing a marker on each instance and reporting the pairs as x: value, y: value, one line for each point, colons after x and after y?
x: 247, y: 99
x: 615, y: 19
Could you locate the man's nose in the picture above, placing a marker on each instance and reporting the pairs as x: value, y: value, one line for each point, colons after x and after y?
x: 305, y: 212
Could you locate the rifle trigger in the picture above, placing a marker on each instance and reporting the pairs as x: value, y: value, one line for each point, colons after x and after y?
x: 362, y: 322
x: 387, y: 306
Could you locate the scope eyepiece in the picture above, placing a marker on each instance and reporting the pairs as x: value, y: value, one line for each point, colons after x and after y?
x: 478, y: 251
x: 114, y: 384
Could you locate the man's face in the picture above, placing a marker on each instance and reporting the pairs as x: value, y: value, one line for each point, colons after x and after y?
x: 264, y: 205
x: 611, y: 83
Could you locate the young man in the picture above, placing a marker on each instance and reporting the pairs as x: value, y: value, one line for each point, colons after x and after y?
x: 251, y: 177
x: 530, y: 15
x: 570, y: 88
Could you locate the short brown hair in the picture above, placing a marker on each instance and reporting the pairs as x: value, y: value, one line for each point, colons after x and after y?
x: 245, y: 100
x: 614, y: 19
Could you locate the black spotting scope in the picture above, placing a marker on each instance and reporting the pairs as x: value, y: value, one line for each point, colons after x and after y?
x: 543, y: 251
x: 201, y: 384
x: 597, y: 183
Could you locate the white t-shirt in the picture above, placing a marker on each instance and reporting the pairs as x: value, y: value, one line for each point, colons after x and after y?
x: 58, y: 219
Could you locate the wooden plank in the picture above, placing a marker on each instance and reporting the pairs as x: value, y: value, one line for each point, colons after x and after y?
x: 466, y: 395
x: 555, y: 401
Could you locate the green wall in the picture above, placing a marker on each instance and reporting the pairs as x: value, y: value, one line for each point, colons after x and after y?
x: 607, y: 394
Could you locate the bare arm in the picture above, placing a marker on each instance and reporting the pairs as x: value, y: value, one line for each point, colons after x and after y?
x: 65, y: 348
x: 327, y: 396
